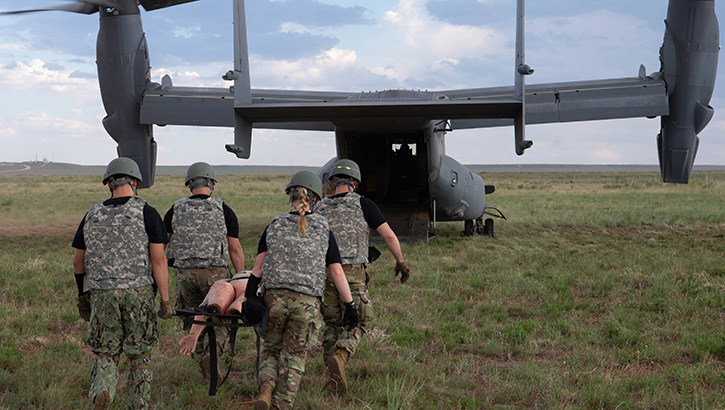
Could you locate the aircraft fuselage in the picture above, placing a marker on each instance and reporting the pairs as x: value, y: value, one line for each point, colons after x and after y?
x: 405, y: 169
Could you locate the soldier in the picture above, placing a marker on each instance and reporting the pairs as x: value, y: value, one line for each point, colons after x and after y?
x: 203, y: 236
x: 290, y: 265
x: 119, y: 256
x: 350, y: 217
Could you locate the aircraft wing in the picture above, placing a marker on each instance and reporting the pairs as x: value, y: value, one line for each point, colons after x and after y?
x: 466, y: 108
x: 309, y: 110
x: 575, y: 101
x: 214, y: 107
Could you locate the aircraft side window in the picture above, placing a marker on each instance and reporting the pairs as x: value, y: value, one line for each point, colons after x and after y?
x: 454, y: 178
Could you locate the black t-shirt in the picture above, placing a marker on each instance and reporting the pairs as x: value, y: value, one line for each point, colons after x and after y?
x: 373, y: 216
x: 230, y: 218
x: 333, y: 252
x: 152, y: 221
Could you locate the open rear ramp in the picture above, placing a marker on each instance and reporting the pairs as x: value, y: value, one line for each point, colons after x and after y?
x: 409, y: 222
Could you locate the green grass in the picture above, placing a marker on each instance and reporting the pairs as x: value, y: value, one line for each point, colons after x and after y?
x: 600, y: 291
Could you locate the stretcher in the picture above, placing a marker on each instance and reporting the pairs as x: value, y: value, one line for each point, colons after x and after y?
x: 223, y: 302
x: 230, y: 321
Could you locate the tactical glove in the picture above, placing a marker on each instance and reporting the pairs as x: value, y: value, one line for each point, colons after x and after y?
x: 166, y: 311
x: 253, y: 310
x: 351, y: 318
x: 252, y: 286
x: 402, y: 269
x: 84, y: 307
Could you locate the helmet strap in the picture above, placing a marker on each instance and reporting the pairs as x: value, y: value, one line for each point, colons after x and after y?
x: 201, y: 183
x: 348, y: 181
x: 120, y: 181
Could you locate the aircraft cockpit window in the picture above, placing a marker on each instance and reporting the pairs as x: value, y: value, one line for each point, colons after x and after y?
x: 454, y: 178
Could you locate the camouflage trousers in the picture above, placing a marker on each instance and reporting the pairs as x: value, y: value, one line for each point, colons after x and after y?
x: 293, y: 327
x: 333, y: 311
x: 123, y: 320
x: 192, y: 285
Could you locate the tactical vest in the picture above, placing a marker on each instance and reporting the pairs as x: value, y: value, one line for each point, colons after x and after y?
x: 347, y: 222
x: 200, y: 233
x: 296, y: 260
x: 117, y: 246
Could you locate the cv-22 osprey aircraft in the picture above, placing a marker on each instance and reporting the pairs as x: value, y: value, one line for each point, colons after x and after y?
x: 416, y: 183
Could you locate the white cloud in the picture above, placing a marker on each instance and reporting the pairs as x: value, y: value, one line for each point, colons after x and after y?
x: 34, y: 76
x: 422, y: 43
x: 38, y: 123
x: 293, y: 28
x: 7, y: 132
x: 313, y: 73
x: 186, y: 32
x: 598, y: 44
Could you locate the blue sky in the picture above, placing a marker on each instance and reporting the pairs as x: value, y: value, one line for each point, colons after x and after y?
x: 50, y: 106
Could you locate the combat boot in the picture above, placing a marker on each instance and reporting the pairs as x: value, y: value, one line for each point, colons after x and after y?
x: 102, y: 400
x: 265, y: 397
x: 336, y: 367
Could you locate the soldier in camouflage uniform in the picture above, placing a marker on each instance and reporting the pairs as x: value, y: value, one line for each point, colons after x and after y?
x: 290, y: 265
x: 119, y: 256
x: 203, y: 236
x: 351, y: 217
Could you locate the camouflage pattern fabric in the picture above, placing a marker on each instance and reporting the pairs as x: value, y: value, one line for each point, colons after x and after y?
x: 192, y: 285
x: 200, y: 233
x: 333, y: 310
x: 123, y: 321
x: 352, y: 233
x: 117, y: 253
x: 293, y: 328
x: 296, y: 260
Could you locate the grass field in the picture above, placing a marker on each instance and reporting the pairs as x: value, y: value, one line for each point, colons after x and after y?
x: 600, y: 291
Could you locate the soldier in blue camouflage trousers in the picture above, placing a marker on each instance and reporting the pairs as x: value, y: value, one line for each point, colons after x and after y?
x: 293, y: 252
x: 351, y: 217
x: 203, y: 236
x: 119, y: 256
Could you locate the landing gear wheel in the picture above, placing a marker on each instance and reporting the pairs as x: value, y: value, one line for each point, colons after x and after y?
x: 468, y: 227
x: 488, y: 227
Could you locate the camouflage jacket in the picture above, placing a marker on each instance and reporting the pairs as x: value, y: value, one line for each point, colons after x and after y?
x: 117, y: 246
x: 296, y: 260
x: 200, y: 233
x: 347, y: 222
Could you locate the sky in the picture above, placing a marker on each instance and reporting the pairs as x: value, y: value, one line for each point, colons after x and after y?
x: 50, y: 105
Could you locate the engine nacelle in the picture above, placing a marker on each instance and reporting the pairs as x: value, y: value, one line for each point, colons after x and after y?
x: 688, y: 55
x: 123, y: 72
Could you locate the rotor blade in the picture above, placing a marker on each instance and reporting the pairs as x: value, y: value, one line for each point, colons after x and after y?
x: 81, y: 7
x: 150, y: 5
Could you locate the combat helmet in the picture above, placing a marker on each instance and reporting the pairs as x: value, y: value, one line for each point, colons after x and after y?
x: 306, y: 179
x: 346, y: 167
x: 199, y: 170
x: 122, y: 166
